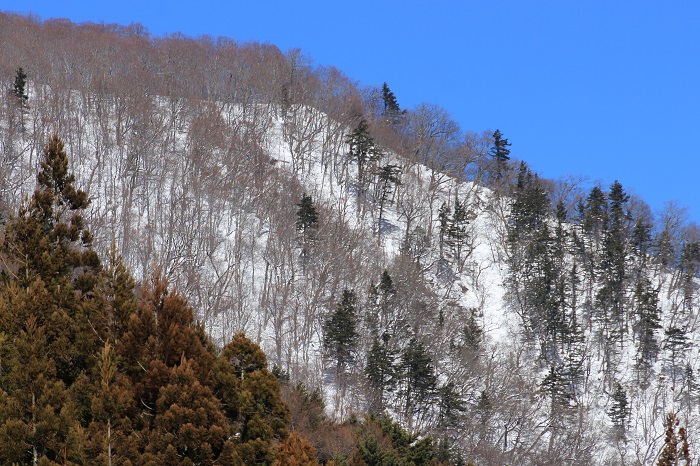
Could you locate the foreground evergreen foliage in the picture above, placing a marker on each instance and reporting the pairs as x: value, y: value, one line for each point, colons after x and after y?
x: 96, y: 372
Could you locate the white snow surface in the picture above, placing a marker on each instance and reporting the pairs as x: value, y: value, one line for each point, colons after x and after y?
x: 238, y: 268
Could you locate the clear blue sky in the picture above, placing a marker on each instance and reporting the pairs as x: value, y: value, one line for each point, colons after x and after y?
x: 607, y: 89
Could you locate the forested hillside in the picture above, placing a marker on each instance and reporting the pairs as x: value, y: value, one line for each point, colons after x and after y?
x: 387, y: 261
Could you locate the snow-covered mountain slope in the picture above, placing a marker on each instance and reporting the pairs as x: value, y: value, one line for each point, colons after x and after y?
x: 210, y: 192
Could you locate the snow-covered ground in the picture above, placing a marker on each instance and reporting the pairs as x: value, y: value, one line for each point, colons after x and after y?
x: 224, y: 235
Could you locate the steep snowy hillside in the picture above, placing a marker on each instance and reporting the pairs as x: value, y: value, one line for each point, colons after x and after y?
x: 381, y: 257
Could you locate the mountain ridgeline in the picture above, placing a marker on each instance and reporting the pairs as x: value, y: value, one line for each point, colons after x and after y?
x: 368, y: 284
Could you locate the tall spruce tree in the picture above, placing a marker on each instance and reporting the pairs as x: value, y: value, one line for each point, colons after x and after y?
x: 251, y: 399
x: 340, y: 332
x: 306, y: 223
x: 689, y: 267
x: 613, y: 267
x: 307, y: 215
x: 388, y: 177
x: 365, y: 151
x: 50, y: 238
x: 381, y: 372
x: 53, y: 310
x: 418, y: 379
x: 534, y: 275
x: 19, y: 86
x: 676, y: 343
x: 620, y: 410
x: 457, y: 232
x: 392, y: 111
x: 648, y: 323
x: 444, y: 223
x: 500, y: 152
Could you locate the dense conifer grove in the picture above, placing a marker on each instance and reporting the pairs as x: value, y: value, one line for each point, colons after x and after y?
x: 215, y: 252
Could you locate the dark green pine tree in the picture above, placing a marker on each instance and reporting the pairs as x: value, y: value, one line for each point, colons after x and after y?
x: 444, y: 221
x: 677, y: 343
x: 390, y: 103
x: 620, y: 410
x: 484, y: 412
x: 381, y: 372
x: 472, y: 333
x: 387, y: 297
x: 392, y: 112
x: 500, y: 153
x: 306, y: 223
x: 530, y: 207
x: 613, y: 266
x: 457, y: 232
x: 689, y: 266
x: 564, y: 282
x: 641, y: 242
x: 307, y: 216
x: 648, y: 323
x: 665, y: 251
x: 690, y: 387
x: 19, y: 86
x: 365, y: 151
x: 388, y: 177
x: 556, y: 385
x: 451, y: 407
x: 595, y: 214
x: 534, y: 275
x: 339, y: 332
x: 418, y: 379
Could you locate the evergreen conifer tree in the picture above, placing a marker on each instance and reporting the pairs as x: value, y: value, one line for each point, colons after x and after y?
x: 611, y: 297
x: 676, y: 451
x: 677, y: 344
x: 444, y: 221
x: 595, y: 214
x: 458, y: 232
x: 500, y: 153
x: 19, y: 86
x: 381, y: 373
x: 472, y: 333
x: 390, y: 103
x: 392, y: 112
x: 189, y: 426
x: 648, y: 322
x: 340, y: 333
x: 388, y: 177
x: 535, y: 277
x: 418, y: 379
x: 365, y: 151
x: 296, y: 451
x: 620, y: 410
x: 251, y: 399
x: 556, y: 386
x: 387, y: 297
x: 689, y: 266
x: 451, y: 407
x: 307, y: 222
x: 307, y: 216
x: 111, y: 405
